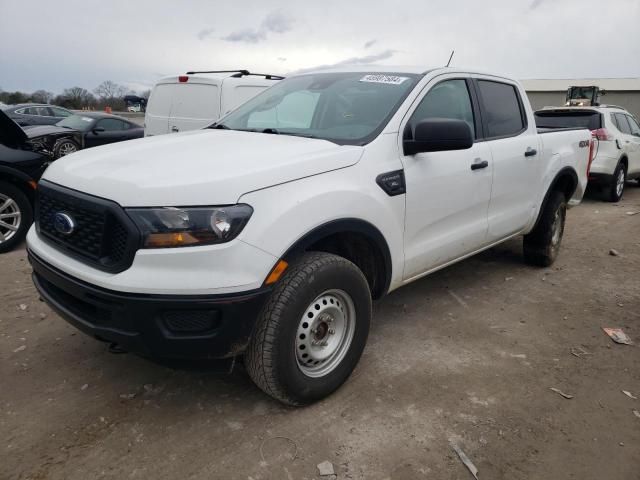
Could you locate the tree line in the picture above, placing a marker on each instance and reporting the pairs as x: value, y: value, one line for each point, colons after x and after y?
x: 107, y: 94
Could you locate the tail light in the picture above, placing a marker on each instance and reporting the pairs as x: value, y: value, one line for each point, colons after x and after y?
x: 592, y: 150
x: 602, y: 134
x: 183, y: 78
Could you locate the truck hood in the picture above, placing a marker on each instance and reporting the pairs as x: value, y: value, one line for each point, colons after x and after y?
x: 202, y: 167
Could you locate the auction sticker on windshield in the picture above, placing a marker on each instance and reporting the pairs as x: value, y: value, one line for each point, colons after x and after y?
x: 390, y: 79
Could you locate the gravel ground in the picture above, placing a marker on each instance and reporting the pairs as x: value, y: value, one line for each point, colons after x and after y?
x: 467, y: 355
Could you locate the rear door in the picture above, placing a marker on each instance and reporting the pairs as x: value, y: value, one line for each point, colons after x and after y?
x: 446, y: 200
x: 156, y: 120
x: 195, y: 105
x: 516, y: 159
x: 630, y: 140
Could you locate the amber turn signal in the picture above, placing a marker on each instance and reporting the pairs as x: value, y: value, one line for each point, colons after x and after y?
x: 277, y: 272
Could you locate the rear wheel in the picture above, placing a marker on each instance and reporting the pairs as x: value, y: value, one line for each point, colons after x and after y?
x: 542, y: 245
x: 16, y: 216
x: 64, y: 147
x: 312, y: 332
x: 615, y: 190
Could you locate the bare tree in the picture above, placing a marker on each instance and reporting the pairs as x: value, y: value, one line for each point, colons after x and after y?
x: 41, y: 96
x: 109, y: 90
x: 145, y: 94
x: 75, y: 97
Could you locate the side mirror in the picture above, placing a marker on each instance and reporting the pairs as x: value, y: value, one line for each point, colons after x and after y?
x: 438, y: 135
x: 98, y: 130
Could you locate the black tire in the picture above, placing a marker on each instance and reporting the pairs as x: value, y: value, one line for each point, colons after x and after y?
x: 615, y: 190
x: 272, y: 358
x: 542, y: 245
x: 9, y: 238
x: 64, y: 146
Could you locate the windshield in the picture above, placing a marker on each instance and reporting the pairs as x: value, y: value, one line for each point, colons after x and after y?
x: 77, y: 122
x: 345, y: 108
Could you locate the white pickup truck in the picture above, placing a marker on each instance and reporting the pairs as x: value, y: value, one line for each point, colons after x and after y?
x: 269, y: 233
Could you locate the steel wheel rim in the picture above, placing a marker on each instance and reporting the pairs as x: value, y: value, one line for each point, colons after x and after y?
x: 325, y: 333
x: 620, y: 183
x: 556, y: 228
x: 66, y: 148
x: 10, y: 218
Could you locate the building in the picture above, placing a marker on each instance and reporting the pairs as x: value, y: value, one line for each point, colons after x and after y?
x: 624, y: 92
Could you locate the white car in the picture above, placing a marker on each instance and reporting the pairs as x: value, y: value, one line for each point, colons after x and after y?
x: 197, y: 99
x: 617, y: 148
x: 269, y: 234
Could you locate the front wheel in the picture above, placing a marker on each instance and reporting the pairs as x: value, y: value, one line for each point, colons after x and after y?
x: 16, y: 216
x: 542, y: 245
x: 64, y: 147
x: 312, y: 331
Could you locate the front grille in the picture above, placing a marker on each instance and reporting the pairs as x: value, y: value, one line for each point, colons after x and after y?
x: 103, y: 236
x: 191, y: 321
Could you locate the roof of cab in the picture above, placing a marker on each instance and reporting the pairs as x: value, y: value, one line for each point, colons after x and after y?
x: 408, y: 69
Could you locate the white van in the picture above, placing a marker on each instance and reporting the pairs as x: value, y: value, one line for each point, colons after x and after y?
x: 196, y: 99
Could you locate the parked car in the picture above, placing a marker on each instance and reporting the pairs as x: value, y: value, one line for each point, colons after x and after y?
x: 26, y: 114
x: 269, y: 234
x: 85, y: 130
x: 617, y: 149
x: 195, y: 100
x: 22, y: 162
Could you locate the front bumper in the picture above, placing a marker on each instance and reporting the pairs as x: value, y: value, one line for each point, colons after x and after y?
x: 159, y: 326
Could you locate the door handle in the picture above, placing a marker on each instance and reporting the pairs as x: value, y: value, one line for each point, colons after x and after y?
x: 530, y: 152
x: 479, y: 165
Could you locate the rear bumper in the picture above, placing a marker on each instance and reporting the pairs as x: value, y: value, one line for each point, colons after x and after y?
x: 161, y: 326
x: 596, y: 178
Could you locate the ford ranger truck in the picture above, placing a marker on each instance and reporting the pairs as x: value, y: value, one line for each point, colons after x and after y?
x: 268, y: 234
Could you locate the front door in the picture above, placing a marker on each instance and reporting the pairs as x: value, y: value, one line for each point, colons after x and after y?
x: 446, y: 199
x: 106, y: 130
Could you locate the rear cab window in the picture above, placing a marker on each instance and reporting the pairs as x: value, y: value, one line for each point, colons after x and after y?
x: 590, y: 119
x: 502, y: 109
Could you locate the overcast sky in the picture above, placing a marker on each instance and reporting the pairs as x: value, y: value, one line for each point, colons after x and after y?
x: 57, y: 44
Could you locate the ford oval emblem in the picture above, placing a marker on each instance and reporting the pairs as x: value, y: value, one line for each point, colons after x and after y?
x: 64, y: 223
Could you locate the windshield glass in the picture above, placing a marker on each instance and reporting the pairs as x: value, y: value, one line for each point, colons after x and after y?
x: 77, y: 122
x: 345, y: 108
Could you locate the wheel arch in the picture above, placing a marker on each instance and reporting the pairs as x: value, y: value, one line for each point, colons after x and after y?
x: 20, y: 180
x: 356, y: 240
x: 566, y: 182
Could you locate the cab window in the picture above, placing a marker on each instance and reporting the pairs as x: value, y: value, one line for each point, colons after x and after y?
x: 448, y: 99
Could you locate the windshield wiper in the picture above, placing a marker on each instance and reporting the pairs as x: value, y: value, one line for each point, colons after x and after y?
x: 274, y: 131
x: 220, y: 126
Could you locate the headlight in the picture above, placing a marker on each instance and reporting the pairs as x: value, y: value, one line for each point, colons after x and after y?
x: 182, y: 227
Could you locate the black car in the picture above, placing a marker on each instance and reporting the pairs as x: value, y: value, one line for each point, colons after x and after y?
x: 22, y: 162
x: 26, y: 114
x: 26, y: 152
x: 89, y: 129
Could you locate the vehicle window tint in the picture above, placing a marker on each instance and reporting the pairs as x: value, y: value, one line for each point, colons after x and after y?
x: 22, y: 111
x: 501, y: 108
x: 294, y: 111
x: 111, y: 124
x: 623, y: 125
x: 28, y: 111
x: 568, y: 119
x: 448, y: 99
x: 60, y: 112
x: 635, y: 128
x: 614, y: 121
x: 43, y: 111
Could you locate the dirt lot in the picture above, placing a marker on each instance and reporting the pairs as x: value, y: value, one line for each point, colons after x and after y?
x: 467, y: 355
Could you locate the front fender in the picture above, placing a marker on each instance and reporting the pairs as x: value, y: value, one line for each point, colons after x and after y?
x: 286, y: 213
